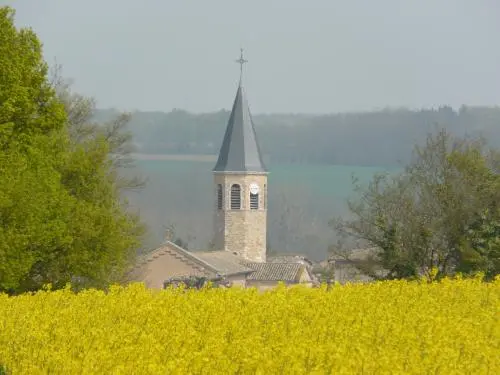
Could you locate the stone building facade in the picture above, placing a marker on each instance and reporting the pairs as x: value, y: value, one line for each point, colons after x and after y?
x: 242, y: 230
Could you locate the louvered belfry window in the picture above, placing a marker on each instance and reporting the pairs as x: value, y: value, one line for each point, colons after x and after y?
x: 254, y: 201
x: 235, y: 197
x: 220, y: 197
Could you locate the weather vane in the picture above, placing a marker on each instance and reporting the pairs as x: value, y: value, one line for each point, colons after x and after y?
x: 241, y: 61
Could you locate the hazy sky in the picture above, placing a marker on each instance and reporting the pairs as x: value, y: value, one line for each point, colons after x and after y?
x: 304, y: 55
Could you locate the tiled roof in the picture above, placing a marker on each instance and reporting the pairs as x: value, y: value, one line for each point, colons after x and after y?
x: 166, y: 249
x: 220, y: 262
x: 289, y: 258
x: 225, y: 262
x: 274, y: 271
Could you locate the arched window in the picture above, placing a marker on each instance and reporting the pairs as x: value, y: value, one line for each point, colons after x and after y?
x: 254, y: 201
x: 235, y: 197
x: 220, y: 197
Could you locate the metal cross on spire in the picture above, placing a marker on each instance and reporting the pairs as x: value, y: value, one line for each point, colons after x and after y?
x: 241, y: 61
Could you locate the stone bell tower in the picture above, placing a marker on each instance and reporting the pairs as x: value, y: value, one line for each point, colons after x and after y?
x: 240, y: 179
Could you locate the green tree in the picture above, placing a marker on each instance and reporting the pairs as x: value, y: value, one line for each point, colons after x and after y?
x: 61, y: 216
x: 32, y: 142
x: 433, y: 214
x: 28, y: 105
x: 481, y: 248
x: 82, y: 127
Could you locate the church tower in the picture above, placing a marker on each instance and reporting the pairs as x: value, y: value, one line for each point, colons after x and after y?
x: 240, y: 179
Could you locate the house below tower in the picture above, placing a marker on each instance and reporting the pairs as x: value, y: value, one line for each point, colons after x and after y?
x: 171, y: 261
x: 240, y: 220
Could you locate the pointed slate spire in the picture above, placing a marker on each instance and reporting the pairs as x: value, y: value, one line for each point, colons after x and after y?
x: 240, y: 150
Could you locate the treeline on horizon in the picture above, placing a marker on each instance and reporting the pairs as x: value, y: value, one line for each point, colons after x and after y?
x: 378, y: 138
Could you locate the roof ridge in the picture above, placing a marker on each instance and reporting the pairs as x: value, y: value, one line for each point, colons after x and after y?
x: 184, y: 252
x: 236, y: 260
x: 276, y: 263
x: 189, y: 254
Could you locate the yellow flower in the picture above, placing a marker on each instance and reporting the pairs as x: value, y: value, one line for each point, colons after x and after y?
x: 447, y: 327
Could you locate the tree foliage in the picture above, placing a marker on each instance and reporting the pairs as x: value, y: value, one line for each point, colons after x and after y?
x: 84, y: 129
x: 27, y: 102
x: 441, y: 213
x: 61, y: 216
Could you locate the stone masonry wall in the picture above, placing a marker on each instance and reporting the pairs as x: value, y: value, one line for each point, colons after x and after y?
x: 241, y: 231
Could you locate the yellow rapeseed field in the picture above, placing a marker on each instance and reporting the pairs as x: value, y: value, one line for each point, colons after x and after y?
x: 397, y: 327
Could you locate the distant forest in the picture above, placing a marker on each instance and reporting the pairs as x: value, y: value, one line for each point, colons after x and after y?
x: 382, y: 138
